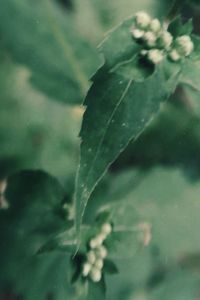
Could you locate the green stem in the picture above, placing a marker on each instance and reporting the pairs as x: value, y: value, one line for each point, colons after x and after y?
x: 68, y: 51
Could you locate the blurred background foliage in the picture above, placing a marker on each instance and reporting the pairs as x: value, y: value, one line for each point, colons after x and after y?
x: 48, y: 51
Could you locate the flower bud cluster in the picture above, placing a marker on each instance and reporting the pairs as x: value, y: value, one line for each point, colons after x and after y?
x: 97, y: 253
x: 157, y: 41
x: 183, y: 46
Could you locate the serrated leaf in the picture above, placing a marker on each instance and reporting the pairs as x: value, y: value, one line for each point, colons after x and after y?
x: 118, y: 110
x: 40, y: 36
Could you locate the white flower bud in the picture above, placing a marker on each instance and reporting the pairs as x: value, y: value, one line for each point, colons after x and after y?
x: 143, y: 52
x: 3, y: 185
x: 99, y: 264
x: 91, y: 257
x: 165, y: 39
x: 174, y: 55
x: 86, y: 269
x: 106, y: 228
x: 155, y: 56
x: 142, y: 19
x: 3, y: 202
x: 100, y: 238
x: 150, y: 38
x: 137, y: 33
x: 93, y: 243
x: 155, y: 25
x: 184, y: 45
x: 95, y: 274
x: 97, y: 241
x: 102, y: 252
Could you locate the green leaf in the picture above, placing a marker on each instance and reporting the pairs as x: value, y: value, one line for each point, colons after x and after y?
x: 112, y: 49
x: 167, y: 200
x: 178, y: 285
x: 96, y: 291
x: 118, y: 110
x: 158, y: 199
x: 110, y: 267
x: 48, y: 129
x: 65, y: 241
x: 177, y: 28
x: 40, y: 36
x: 31, y: 220
x: 46, y: 276
x: 191, y: 69
x: 33, y: 216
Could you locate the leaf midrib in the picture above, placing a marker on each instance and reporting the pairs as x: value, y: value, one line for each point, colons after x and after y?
x: 106, y: 127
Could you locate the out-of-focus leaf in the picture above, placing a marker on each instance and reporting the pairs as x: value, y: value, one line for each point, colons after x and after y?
x: 46, y: 276
x: 39, y: 35
x: 66, y: 3
x: 159, y: 199
x: 32, y: 217
x: 34, y: 132
x: 179, y: 285
x: 170, y: 203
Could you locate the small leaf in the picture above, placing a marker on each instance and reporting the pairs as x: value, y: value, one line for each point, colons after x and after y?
x: 110, y: 267
x: 177, y: 28
x: 119, y: 45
